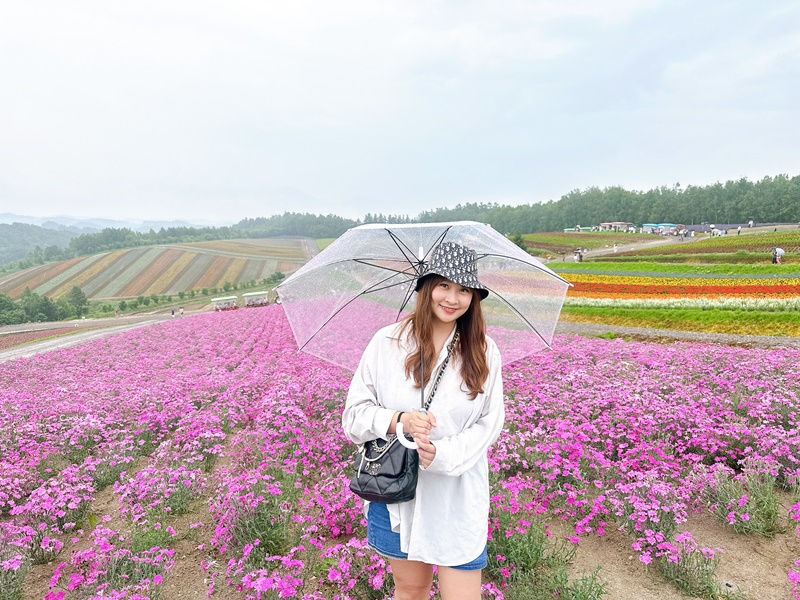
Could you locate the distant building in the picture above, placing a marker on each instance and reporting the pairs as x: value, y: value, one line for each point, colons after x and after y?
x: 224, y: 303
x: 624, y: 226
x: 256, y: 298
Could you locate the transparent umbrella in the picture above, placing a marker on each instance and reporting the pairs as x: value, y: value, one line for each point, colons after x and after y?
x: 366, y: 278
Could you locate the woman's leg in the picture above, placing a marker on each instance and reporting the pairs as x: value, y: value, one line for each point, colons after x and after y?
x: 455, y: 584
x: 412, y: 579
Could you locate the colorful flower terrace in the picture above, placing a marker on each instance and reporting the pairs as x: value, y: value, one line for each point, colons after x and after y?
x: 206, y: 453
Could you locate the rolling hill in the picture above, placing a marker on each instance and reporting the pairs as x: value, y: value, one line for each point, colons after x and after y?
x: 165, y: 269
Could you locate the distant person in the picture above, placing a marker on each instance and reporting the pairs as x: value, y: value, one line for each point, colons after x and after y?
x: 615, y: 246
x: 739, y: 230
x: 774, y: 256
x: 173, y: 312
x: 181, y: 313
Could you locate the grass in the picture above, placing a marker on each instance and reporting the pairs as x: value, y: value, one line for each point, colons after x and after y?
x: 712, y: 321
x: 739, y: 257
x: 638, y: 266
x: 323, y: 243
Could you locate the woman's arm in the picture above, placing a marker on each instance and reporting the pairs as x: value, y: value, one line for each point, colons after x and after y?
x: 364, y: 419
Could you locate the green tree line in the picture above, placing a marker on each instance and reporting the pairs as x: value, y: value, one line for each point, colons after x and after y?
x: 769, y: 200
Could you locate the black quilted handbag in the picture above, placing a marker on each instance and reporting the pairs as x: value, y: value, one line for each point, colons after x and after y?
x: 387, y: 471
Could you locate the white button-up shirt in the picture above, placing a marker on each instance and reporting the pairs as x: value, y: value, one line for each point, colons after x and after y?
x: 447, y: 522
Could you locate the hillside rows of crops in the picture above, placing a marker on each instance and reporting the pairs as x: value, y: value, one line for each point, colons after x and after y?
x: 161, y: 270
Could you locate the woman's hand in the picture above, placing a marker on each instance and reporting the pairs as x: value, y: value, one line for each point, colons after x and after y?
x: 426, y: 451
x: 421, y: 424
x: 417, y: 423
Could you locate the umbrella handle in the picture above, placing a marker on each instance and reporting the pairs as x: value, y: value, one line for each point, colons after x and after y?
x: 402, y: 438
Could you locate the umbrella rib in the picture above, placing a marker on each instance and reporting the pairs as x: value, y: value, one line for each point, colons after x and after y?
x: 405, y: 301
x: 520, y: 315
x: 345, y: 305
x: 401, y: 245
x: 362, y: 261
x: 404, y: 249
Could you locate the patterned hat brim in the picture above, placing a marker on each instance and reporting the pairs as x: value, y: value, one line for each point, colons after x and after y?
x: 481, y: 290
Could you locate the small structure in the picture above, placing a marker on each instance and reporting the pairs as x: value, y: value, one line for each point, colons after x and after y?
x: 256, y: 298
x: 618, y: 226
x: 225, y: 303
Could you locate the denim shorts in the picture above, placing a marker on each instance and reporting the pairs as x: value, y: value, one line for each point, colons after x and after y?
x: 385, y: 542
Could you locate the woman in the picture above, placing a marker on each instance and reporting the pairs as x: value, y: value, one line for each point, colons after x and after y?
x: 446, y: 524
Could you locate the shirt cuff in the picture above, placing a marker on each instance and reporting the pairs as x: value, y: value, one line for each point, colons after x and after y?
x: 439, y: 462
x: 381, y: 421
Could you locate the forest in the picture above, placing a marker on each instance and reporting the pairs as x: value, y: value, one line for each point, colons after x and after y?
x: 769, y: 200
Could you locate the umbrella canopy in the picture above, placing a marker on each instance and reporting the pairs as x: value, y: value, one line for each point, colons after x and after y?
x: 780, y: 251
x: 366, y: 278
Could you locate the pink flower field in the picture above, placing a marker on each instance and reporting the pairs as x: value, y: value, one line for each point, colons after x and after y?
x: 217, y: 414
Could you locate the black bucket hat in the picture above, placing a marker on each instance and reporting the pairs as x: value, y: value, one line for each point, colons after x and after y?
x: 456, y: 263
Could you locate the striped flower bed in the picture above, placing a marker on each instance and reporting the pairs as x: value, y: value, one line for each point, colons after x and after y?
x: 150, y: 272
x: 38, y: 276
x: 616, y: 286
x: 162, y: 284
x: 215, y: 270
x: 725, y: 303
x: 87, y: 274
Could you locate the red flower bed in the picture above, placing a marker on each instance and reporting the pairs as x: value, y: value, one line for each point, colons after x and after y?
x: 9, y: 340
x: 583, y: 287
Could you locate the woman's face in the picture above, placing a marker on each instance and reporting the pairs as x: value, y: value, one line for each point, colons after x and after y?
x: 450, y: 300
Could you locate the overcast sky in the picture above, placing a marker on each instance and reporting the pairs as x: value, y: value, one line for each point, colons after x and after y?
x: 216, y: 111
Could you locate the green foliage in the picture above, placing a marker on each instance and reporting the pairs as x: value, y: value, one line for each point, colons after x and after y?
x: 693, y: 574
x: 546, y: 584
x: 698, y: 319
x: 748, y: 502
x: 122, y: 569
x: 524, y: 552
x: 264, y: 522
x: 31, y: 245
x: 11, y: 313
x: 146, y: 536
x: 658, y: 269
x: 519, y: 241
x: 38, y: 308
x: 77, y: 300
x: 11, y: 578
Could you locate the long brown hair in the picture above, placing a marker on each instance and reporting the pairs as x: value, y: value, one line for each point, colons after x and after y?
x: 471, y: 347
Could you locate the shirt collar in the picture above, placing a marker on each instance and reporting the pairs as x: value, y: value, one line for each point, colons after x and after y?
x: 407, y: 344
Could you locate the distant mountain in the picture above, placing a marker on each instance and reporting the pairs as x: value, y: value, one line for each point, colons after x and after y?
x: 17, y: 239
x: 91, y: 225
